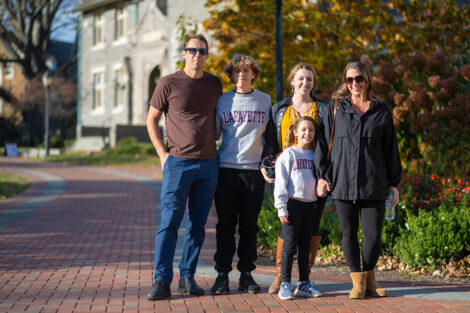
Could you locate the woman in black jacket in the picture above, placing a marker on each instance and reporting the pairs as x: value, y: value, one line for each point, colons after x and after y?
x: 364, y: 165
x: 303, y: 80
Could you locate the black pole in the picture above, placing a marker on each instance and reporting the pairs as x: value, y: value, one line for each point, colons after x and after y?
x: 46, y: 115
x: 279, y: 88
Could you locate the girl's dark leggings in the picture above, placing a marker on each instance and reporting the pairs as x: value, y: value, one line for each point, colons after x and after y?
x: 296, y: 236
x: 372, y: 214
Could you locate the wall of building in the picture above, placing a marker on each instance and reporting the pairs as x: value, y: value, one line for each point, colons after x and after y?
x: 151, y: 41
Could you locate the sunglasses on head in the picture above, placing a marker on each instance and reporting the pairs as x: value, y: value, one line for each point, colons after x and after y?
x: 359, y: 79
x: 194, y: 51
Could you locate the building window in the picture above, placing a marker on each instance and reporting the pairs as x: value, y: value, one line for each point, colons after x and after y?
x: 98, y: 29
x: 120, y: 23
x: 118, y: 89
x: 98, y: 91
x: 9, y: 71
x: 162, y: 6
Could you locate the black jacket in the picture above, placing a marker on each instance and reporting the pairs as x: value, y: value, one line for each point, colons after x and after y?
x: 280, y: 108
x: 364, y: 157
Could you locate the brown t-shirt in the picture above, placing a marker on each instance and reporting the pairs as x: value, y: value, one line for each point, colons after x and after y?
x: 189, y: 107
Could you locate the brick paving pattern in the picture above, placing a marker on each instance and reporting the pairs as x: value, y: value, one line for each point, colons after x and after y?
x: 90, y: 249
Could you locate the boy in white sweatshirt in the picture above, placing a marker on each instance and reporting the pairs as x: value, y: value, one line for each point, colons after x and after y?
x: 243, y: 118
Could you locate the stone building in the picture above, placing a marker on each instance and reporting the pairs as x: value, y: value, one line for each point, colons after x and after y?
x: 12, y: 80
x: 124, y: 48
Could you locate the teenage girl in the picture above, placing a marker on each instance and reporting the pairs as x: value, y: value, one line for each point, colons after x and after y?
x: 295, y: 199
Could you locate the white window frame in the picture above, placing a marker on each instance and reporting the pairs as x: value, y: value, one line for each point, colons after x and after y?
x: 98, y: 108
x: 9, y: 71
x: 120, y: 23
x: 119, y: 89
x: 98, y: 28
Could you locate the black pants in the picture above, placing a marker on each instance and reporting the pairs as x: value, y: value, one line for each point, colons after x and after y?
x: 238, y: 199
x: 296, y: 236
x: 320, y: 204
x: 372, y: 217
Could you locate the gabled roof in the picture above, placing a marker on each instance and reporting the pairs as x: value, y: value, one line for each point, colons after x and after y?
x: 88, y: 5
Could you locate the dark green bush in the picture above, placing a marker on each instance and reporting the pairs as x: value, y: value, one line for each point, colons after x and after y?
x: 149, y: 149
x: 56, y: 142
x: 269, y: 224
x: 441, y: 235
x: 329, y: 225
x: 126, y: 141
x: 130, y: 146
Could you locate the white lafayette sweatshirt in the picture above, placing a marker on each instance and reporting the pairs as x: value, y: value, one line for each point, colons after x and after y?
x: 241, y: 119
x: 295, y: 178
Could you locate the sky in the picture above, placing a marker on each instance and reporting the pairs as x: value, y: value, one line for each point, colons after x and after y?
x: 64, y: 27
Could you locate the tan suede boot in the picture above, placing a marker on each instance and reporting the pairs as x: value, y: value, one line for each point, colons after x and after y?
x: 359, y: 280
x: 274, y: 288
x: 373, y: 289
x: 314, y: 244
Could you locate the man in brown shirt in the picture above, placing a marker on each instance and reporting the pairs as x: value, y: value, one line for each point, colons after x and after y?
x: 188, y: 99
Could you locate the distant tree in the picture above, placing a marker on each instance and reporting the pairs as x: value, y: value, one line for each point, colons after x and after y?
x: 328, y: 34
x: 25, y: 28
x: 63, y: 93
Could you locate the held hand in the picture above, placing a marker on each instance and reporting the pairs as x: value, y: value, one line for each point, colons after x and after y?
x: 323, y: 187
x: 284, y: 219
x: 265, y: 175
x: 163, y: 158
x: 321, y: 190
x: 396, y: 195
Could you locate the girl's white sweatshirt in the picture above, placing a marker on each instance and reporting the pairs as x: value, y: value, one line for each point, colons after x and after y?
x: 295, y: 178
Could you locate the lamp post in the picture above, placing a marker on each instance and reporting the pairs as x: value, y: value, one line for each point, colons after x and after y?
x: 46, y: 82
x: 279, y: 87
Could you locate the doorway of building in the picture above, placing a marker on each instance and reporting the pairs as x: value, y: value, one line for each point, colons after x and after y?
x: 153, y: 80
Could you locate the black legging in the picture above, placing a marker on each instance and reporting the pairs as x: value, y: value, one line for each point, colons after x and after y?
x: 372, y: 216
x: 320, y: 204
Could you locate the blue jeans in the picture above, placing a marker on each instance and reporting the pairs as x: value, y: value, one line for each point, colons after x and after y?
x: 184, y: 180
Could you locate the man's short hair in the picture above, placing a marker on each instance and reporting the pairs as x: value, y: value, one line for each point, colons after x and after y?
x: 241, y: 60
x: 197, y: 36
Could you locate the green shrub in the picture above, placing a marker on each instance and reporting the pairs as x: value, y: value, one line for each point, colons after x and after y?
x: 149, y: 149
x: 56, y: 142
x: 130, y: 146
x: 269, y: 224
x: 126, y: 141
x: 441, y: 235
x: 329, y: 225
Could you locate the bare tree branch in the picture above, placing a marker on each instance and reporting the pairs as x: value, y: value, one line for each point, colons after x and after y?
x: 25, y: 28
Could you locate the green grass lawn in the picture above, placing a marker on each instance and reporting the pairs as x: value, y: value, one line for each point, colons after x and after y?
x: 128, y: 152
x: 106, y: 159
x: 11, y: 185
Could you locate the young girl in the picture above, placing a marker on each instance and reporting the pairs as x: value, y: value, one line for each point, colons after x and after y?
x: 294, y: 198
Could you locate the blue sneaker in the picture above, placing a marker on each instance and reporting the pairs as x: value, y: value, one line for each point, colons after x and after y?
x: 286, y: 291
x: 306, y: 289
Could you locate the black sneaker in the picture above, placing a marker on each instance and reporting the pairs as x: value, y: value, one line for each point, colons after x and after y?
x: 160, y: 291
x: 188, y: 285
x: 247, y: 283
x: 220, y: 286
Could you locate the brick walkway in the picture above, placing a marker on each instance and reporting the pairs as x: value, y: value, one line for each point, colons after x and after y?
x: 88, y: 247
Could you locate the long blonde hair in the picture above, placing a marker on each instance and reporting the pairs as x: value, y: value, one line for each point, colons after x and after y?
x: 367, y: 93
x: 290, y: 136
x: 304, y: 66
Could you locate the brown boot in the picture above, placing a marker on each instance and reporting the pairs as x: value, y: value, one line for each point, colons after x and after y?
x: 359, y: 280
x: 274, y: 288
x: 373, y: 289
x: 314, y: 244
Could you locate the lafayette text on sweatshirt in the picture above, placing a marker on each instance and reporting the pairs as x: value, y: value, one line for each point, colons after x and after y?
x: 241, y: 119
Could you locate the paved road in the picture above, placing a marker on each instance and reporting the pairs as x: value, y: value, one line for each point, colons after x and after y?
x: 80, y: 239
